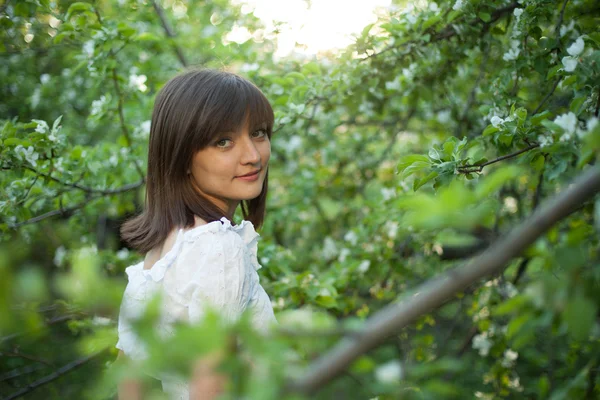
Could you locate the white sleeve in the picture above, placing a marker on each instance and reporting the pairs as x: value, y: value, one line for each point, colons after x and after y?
x: 216, y: 275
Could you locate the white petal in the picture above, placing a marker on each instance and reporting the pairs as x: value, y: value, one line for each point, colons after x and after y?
x: 576, y: 48
x: 569, y: 63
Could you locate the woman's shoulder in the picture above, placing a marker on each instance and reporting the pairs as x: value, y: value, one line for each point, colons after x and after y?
x: 219, y: 239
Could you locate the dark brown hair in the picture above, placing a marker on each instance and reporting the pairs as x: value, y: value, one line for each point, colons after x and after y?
x: 189, y: 112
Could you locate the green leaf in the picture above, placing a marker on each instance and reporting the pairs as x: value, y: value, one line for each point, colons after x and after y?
x: 496, y: 180
x: 431, y: 21
x: 551, y: 126
x: 537, y: 118
x: 420, y: 182
x: 538, y: 162
x: 295, y: 76
x: 579, y: 314
x: 485, y: 17
x: 77, y: 8
x: 146, y: 37
x: 490, y: 129
x: 576, y: 105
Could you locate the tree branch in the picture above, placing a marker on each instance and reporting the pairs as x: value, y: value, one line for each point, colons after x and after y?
x: 122, y: 120
x: 561, y: 17
x: 124, y: 188
x: 437, y: 291
x: 466, y: 169
x: 169, y: 32
x: 53, y: 376
x: 550, y: 93
x: 448, y: 31
x: 92, y: 195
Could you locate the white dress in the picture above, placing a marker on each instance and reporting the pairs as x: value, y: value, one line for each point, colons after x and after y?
x: 211, y: 265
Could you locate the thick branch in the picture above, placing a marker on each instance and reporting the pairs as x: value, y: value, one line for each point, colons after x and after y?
x: 53, y: 376
x: 169, y: 32
x: 466, y: 169
x: 437, y: 291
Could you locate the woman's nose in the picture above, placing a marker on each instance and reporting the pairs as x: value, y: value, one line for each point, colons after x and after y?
x: 250, y: 154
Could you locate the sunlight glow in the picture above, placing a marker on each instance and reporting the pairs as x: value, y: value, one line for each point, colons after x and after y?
x: 326, y: 25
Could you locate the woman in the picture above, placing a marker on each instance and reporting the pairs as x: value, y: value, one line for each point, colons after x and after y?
x: 208, y: 154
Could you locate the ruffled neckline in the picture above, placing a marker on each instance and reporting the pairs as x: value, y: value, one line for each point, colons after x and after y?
x: 245, y: 230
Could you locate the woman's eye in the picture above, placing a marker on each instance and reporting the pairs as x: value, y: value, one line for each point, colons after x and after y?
x: 259, y: 133
x: 224, y: 143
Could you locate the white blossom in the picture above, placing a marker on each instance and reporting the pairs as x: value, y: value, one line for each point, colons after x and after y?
x: 443, y: 116
x: 387, y: 193
x: 517, y: 13
x: 123, y: 253
x: 88, y: 48
x: 482, y: 343
x: 515, y: 384
x: 568, y: 122
x: 343, y: 254
x: 433, y: 7
x: 390, y: 372
x: 567, y: 28
x: 44, y: 78
x: 364, y: 266
x: 42, y: 126
x: 329, y: 248
x: 59, y: 256
x: 545, y: 140
x: 100, y: 321
x: 28, y: 154
x: 393, y: 85
x: 570, y: 63
x: 391, y: 228
x: 351, y: 237
x: 98, y: 105
x: 513, y: 52
x: 458, y: 5
x: 576, y: 48
x: 509, y: 358
x: 496, y: 121
x: 138, y: 82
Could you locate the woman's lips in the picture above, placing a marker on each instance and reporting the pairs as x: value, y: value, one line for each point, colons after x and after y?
x: 250, y: 178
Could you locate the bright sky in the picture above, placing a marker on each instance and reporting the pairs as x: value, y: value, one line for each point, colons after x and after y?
x: 326, y: 25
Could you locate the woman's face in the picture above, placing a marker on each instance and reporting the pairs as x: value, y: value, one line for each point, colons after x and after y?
x: 232, y: 167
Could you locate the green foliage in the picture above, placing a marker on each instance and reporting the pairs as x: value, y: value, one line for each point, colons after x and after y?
x: 444, y: 126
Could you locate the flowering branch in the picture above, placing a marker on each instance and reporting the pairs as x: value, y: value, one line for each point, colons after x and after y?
x: 467, y: 169
x: 437, y: 291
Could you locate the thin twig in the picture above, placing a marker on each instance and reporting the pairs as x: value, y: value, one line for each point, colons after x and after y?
x: 124, y: 188
x: 26, y: 357
x: 561, y: 17
x: 15, y: 373
x: 598, y: 104
x: 124, y: 129
x: 169, y: 32
x: 467, y: 169
x: 55, y: 375
x: 550, y: 93
x: 448, y: 31
x: 48, y: 323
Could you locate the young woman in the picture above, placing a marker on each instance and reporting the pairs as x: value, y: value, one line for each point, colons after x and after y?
x: 208, y: 154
